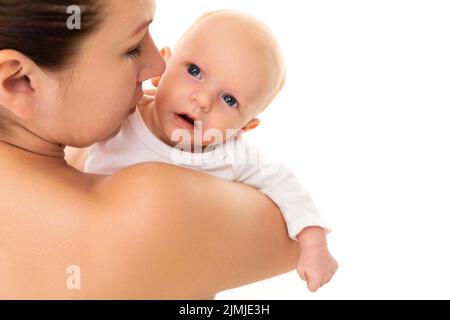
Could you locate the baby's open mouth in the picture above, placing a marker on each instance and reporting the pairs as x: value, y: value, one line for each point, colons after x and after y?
x: 186, y: 118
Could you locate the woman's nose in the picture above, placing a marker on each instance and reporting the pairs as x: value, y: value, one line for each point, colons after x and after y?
x: 201, y: 101
x: 154, y: 64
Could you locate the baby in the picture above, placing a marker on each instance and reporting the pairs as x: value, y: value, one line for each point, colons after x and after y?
x: 226, y: 69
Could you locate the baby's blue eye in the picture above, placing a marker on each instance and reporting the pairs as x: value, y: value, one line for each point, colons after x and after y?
x: 230, y: 100
x: 194, y: 70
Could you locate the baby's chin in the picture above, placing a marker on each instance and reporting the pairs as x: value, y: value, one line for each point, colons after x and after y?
x: 113, y: 134
x: 197, y: 146
x: 194, y: 138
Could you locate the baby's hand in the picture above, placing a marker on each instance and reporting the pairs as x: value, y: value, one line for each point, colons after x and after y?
x: 148, y: 97
x: 166, y: 53
x: 316, y: 266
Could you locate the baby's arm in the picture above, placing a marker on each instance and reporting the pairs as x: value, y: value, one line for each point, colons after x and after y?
x: 285, y: 190
x: 304, y: 223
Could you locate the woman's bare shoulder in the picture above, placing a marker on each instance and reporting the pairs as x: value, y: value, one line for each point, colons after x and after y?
x: 145, y: 209
x: 203, y: 234
x: 135, y: 182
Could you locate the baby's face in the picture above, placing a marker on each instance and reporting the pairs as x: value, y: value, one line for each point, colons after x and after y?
x: 216, y: 78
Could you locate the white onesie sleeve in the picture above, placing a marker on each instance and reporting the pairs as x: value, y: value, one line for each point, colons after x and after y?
x: 285, y: 190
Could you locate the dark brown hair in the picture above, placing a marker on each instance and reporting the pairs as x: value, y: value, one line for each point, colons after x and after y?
x: 38, y: 29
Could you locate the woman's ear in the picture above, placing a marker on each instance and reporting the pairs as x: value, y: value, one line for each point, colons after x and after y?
x: 252, y: 124
x: 17, y: 85
x: 166, y: 53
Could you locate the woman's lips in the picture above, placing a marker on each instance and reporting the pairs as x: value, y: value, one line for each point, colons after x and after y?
x: 133, y: 110
x: 137, y: 97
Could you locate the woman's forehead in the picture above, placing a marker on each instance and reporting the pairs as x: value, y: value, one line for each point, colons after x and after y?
x: 125, y: 17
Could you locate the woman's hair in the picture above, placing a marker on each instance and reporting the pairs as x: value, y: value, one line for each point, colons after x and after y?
x: 39, y: 29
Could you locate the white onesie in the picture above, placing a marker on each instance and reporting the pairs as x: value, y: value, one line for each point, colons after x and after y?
x: 235, y: 160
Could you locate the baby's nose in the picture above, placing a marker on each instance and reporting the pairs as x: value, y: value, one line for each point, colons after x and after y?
x: 201, y: 101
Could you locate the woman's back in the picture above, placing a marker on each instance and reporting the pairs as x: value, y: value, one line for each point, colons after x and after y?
x: 49, y: 222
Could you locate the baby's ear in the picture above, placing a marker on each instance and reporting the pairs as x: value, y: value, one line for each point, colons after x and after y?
x: 166, y: 53
x: 252, y: 124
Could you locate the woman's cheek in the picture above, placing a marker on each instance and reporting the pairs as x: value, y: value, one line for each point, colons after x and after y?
x: 125, y: 91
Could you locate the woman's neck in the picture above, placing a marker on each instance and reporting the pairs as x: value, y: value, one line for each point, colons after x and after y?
x: 17, y: 136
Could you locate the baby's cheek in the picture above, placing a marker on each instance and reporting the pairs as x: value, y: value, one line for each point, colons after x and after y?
x: 234, y: 125
x: 162, y: 104
x: 164, y: 96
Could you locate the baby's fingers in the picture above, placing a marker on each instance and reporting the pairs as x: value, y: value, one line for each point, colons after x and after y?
x: 302, y: 274
x: 147, y: 97
x: 314, y: 285
x: 312, y: 281
x: 150, y: 92
x: 318, y: 282
x: 145, y: 100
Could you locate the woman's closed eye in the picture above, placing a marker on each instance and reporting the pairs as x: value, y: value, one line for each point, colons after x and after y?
x: 135, y: 53
x: 194, y: 71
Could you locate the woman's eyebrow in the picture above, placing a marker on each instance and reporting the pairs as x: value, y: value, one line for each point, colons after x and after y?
x: 142, y: 26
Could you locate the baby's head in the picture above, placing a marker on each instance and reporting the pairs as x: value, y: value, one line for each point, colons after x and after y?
x: 224, y: 71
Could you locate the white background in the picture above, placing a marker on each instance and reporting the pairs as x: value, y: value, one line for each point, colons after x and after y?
x: 364, y: 122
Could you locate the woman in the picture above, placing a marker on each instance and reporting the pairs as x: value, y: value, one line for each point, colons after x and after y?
x: 149, y: 231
